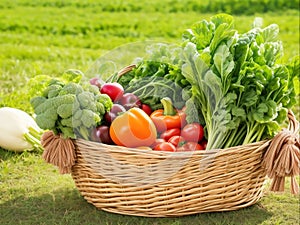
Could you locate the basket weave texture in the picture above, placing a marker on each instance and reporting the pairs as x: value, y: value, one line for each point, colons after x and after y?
x: 163, y: 184
x: 160, y: 184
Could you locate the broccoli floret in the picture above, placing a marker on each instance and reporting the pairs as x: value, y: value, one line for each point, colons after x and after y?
x: 100, y: 108
x: 85, y: 99
x: 105, y: 100
x: 36, y: 101
x: 71, y: 88
x: 55, y: 103
x: 77, y: 115
x: 65, y: 110
x: 47, y: 119
x: 52, y: 91
x: 93, y: 89
x: 89, y: 118
x: 71, y: 122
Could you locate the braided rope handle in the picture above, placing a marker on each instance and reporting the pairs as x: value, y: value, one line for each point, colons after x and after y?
x: 282, y: 158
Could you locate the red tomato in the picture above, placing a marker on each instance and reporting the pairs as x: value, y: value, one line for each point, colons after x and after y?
x: 192, y: 132
x: 176, y: 140
x: 192, y: 146
x: 113, y: 90
x: 165, y: 146
x: 170, y: 133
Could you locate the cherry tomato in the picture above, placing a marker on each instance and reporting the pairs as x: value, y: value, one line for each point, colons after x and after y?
x: 192, y: 146
x: 165, y: 146
x: 147, y: 109
x: 113, y: 90
x: 170, y: 133
x: 176, y: 140
x: 157, y: 141
x: 192, y: 132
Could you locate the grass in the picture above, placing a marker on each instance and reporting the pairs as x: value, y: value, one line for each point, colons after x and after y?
x: 47, y: 37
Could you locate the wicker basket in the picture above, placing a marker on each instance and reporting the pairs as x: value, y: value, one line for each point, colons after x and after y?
x: 161, y: 184
x: 134, y: 182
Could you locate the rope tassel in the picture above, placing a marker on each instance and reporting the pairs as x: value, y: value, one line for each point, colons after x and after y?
x: 58, y: 151
x: 282, y: 158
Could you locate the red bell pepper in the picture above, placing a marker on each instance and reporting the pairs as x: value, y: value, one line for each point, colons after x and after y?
x: 168, y: 117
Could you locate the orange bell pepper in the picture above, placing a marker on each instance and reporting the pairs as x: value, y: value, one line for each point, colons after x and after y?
x: 132, y: 129
x: 168, y: 118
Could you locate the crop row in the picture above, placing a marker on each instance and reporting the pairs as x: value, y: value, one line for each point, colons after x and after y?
x: 169, y: 6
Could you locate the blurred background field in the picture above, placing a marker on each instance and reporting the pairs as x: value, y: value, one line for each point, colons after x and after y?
x: 48, y: 37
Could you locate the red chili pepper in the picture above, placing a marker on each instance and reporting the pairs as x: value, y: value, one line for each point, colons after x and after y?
x: 168, y: 118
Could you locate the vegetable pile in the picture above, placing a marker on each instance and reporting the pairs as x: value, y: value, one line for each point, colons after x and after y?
x: 218, y: 89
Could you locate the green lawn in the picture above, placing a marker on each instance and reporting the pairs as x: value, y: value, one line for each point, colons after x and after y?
x: 48, y: 37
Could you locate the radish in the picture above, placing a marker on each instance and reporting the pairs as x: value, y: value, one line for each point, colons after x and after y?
x: 113, y: 90
x: 18, y: 130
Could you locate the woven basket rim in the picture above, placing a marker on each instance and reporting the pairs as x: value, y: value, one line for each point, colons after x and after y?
x: 179, y: 154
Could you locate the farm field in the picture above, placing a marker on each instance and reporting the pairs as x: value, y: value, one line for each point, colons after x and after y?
x: 48, y: 37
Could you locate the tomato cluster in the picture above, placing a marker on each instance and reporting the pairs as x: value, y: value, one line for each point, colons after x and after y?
x: 189, y: 138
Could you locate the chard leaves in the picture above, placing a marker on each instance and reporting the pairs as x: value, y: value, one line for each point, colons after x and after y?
x: 243, y: 92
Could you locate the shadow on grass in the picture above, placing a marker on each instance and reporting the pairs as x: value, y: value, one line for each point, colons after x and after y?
x: 66, y: 206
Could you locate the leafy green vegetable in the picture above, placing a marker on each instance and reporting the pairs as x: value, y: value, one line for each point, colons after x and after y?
x: 243, y: 92
x: 70, y: 108
x: 153, y: 80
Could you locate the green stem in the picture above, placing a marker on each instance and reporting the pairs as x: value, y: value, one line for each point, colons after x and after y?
x: 33, y: 137
x: 238, y: 138
x: 231, y: 139
x: 251, y: 133
x: 259, y: 133
x: 168, y: 107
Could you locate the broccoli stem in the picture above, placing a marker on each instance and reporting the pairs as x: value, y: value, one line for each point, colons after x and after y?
x: 82, y: 132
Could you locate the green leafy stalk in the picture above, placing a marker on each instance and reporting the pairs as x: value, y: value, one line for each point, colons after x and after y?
x: 33, y: 136
x: 243, y: 93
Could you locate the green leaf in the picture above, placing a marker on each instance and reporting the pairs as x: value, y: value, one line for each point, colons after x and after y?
x: 270, y: 33
x: 222, y: 18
